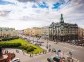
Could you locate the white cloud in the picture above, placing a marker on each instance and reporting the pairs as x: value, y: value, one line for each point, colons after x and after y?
x: 22, y: 15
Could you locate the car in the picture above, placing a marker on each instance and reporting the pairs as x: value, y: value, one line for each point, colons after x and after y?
x: 15, y: 60
x: 50, y: 59
x: 57, y: 59
x: 53, y: 50
x: 41, y: 42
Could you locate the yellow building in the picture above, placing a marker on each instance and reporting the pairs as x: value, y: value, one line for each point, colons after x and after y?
x: 27, y: 31
x: 80, y: 33
x: 37, y: 31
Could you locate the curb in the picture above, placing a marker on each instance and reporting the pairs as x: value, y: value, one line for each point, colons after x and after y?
x: 74, y: 59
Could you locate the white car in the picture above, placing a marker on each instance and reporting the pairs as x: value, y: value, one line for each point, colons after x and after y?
x: 15, y: 60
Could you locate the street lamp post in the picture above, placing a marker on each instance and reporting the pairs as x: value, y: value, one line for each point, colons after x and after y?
x: 1, y: 32
x: 33, y: 38
x: 47, y: 43
x: 82, y: 36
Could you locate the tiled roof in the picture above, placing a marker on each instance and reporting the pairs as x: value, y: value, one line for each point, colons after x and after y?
x: 63, y: 24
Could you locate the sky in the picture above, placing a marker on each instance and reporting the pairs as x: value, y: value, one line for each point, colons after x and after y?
x: 22, y: 14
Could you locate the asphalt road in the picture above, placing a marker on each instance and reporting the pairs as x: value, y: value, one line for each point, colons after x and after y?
x: 77, y: 51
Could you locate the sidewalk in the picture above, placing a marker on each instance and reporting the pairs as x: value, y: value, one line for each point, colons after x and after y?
x: 71, y: 60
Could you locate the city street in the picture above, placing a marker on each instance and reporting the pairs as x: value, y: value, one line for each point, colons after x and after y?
x: 77, y: 51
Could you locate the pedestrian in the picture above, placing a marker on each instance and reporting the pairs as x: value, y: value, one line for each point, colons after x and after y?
x: 43, y: 51
x: 30, y: 55
x: 7, y: 51
x: 23, y: 52
x: 49, y: 46
x: 49, y: 50
x: 17, y: 51
x: 70, y: 54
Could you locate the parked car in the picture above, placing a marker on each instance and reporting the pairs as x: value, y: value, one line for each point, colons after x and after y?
x: 15, y: 60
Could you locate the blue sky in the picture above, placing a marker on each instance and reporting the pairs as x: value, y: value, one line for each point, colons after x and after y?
x: 21, y: 14
x: 2, y: 2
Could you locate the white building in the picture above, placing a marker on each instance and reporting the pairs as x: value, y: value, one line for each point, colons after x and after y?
x: 4, y: 32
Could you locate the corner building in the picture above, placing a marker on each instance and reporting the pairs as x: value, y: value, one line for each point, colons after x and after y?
x: 63, y: 31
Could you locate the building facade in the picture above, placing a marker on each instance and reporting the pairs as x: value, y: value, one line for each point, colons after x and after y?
x: 63, y: 31
x: 4, y: 32
x: 45, y: 32
x: 27, y: 31
x: 81, y: 33
x: 35, y: 31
